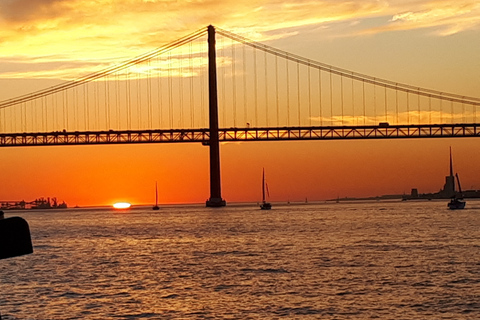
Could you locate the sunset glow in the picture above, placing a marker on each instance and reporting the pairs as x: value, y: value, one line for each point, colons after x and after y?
x: 122, y: 205
x: 427, y: 44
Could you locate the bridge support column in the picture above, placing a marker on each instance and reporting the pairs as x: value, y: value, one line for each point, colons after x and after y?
x: 214, y: 145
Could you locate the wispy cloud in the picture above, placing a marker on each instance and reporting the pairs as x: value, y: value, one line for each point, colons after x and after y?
x: 446, y: 17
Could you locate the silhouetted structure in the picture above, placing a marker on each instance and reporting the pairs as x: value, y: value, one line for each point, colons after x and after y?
x: 215, y: 199
x: 40, y: 203
x: 448, y: 190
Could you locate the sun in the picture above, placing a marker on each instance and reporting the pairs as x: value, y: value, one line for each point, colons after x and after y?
x: 122, y: 205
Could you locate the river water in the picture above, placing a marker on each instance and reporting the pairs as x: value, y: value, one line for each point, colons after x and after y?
x: 370, y: 260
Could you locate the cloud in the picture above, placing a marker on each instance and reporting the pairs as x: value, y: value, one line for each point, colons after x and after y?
x: 29, y: 10
x: 116, y: 30
x: 446, y: 16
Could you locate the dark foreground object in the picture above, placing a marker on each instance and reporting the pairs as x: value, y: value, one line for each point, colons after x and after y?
x: 15, y: 239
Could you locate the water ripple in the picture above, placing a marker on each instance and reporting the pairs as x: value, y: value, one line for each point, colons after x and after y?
x: 345, y: 261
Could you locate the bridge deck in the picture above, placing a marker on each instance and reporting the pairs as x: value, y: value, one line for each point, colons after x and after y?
x: 240, y: 134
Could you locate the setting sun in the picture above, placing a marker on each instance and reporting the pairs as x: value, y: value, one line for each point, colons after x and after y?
x: 122, y: 205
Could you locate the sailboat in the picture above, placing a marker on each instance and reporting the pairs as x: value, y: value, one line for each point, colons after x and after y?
x: 265, y: 205
x: 156, y: 207
x: 457, y: 200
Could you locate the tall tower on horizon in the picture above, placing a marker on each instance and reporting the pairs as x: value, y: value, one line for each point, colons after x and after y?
x: 449, y: 187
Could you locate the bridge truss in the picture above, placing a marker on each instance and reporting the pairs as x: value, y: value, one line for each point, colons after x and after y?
x: 240, y: 135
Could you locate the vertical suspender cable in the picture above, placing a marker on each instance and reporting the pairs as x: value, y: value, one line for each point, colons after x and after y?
x: 45, y: 101
x: 375, y: 103
x: 331, y: 98
x: 97, y: 104
x: 266, y: 87
x: 298, y: 94
x: 139, y: 98
x: 396, y: 102
x: 66, y: 110
x: 364, y: 103
x: 42, y: 115
x: 159, y: 91
x: 320, y: 96
x: 276, y: 91
x: 245, y: 111
x: 223, y: 77
x: 105, y: 102
x: 55, y: 110
x: 419, y: 111
x: 14, y: 117
x: 288, y: 92
x: 430, y: 109
x: 451, y: 112
x: 309, y: 97
x: 354, y: 120
x: 21, y: 124
x: 203, y: 79
x: 255, y: 87
x: 181, y: 122
x: 129, y: 100
x: 22, y: 116
x: 408, y: 108
x: 117, y: 101
x: 341, y: 97
x: 149, y: 92
x: 25, y: 114
x: 441, y: 109
x: 474, y: 113
x: 386, y: 105
x: 234, y: 86
x: 75, y: 108
x: 85, y: 105
x: 34, y: 118
x: 192, y: 110
x: 170, y: 90
x: 46, y: 114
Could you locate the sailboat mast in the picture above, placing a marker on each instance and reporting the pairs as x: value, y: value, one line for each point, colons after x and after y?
x: 458, y: 182
x: 451, y: 163
x: 156, y: 193
x: 263, y: 185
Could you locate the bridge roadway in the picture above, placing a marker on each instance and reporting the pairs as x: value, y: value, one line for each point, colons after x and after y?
x: 240, y: 134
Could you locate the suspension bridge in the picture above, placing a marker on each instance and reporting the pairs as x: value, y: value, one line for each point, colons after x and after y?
x: 214, y: 86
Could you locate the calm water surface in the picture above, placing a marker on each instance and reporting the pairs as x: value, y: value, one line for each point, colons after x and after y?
x: 394, y: 260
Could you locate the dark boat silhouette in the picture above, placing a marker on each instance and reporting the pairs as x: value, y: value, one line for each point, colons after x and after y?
x: 457, y: 201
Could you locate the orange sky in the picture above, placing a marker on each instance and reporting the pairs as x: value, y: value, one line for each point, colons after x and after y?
x: 431, y: 44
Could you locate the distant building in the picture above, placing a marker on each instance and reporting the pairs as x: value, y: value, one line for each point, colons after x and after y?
x: 449, y: 187
x: 447, y: 192
x: 414, y: 193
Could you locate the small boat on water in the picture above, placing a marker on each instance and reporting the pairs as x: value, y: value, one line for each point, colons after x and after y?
x: 156, y: 207
x: 265, y: 205
x: 457, y: 201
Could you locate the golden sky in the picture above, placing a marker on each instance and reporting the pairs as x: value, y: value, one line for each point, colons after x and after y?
x: 432, y: 44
